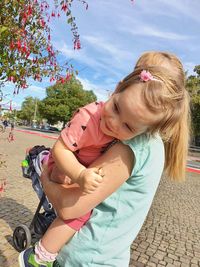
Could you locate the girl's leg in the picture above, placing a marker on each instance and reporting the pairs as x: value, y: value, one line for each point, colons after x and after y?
x: 45, y: 252
x: 59, y: 233
x: 55, y: 237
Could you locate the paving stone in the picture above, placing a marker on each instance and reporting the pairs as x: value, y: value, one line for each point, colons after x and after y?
x: 177, y: 263
x: 135, y: 255
x: 169, y: 265
x: 185, y: 260
x: 144, y: 245
x: 154, y: 260
x: 185, y: 264
x: 150, y: 252
x: 163, y: 263
x: 142, y: 260
x: 173, y: 257
x: 151, y: 264
x: 160, y: 255
x: 194, y: 260
x: 168, y: 260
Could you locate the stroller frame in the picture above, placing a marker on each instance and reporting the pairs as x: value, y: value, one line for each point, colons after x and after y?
x: 23, y: 234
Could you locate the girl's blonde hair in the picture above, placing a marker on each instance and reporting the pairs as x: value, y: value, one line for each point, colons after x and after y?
x: 166, y: 95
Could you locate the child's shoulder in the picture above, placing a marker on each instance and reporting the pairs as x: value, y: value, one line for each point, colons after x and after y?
x: 84, y: 114
x: 94, y: 107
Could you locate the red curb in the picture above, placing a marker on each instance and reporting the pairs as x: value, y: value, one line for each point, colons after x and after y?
x: 35, y: 133
x: 193, y: 170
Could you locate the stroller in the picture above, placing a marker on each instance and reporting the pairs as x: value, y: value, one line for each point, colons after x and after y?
x: 31, y: 169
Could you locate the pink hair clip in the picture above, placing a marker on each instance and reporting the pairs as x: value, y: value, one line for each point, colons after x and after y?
x: 146, y: 76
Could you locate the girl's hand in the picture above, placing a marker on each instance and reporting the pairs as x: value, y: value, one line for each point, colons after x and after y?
x: 90, y: 179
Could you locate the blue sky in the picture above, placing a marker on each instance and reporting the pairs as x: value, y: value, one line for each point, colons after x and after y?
x: 114, y: 33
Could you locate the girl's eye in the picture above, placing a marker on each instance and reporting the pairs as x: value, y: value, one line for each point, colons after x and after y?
x: 128, y: 128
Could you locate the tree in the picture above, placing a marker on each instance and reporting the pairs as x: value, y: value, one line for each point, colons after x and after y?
x: 63, y: 99
x: 25, y: 40
x: 28, y: 110
x: 193, y: 86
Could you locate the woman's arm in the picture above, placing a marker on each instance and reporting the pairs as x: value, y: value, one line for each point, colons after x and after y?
x: 69, y: 202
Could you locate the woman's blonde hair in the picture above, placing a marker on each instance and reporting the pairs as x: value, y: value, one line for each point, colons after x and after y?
x: 166, y: 94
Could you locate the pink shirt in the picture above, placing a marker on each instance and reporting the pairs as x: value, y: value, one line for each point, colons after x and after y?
x: 83, y: 135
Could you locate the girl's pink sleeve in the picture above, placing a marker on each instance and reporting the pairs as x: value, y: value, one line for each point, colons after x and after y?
x: 77, y: 133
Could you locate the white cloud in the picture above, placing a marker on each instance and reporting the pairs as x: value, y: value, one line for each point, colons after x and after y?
x: 85, y: 57
x: 16, y: 105
x: 36, y: 89
x: 189, y: 67
x: 143, y: 29
x: 152, y: 31
x: 167, y: 8
x: 107, y: 46
x: 183, y: 7
x: 100, y: 90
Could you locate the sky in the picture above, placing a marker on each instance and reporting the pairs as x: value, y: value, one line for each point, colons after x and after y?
x: 113, y: 34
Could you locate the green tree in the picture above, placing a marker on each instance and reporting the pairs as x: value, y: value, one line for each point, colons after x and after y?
x: 11, y: 115
x: 63, y: 99
x: 193, y: 86
x: 28, y: 109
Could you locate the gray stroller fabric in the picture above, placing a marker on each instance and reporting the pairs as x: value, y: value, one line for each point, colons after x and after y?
x: 35, y: 177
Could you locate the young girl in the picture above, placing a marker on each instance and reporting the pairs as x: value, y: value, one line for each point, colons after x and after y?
x: 121, y: 117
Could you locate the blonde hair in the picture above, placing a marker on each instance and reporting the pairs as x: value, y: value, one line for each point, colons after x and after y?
x: 167, y: 95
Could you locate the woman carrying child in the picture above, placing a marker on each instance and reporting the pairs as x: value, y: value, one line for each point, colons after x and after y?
x: 149, y: 113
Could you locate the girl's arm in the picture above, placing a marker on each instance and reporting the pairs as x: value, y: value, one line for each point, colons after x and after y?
x: 65, y: 160
x: 67, y: 163
x: 69, y: 202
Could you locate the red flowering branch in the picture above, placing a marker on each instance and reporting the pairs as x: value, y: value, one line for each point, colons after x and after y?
x: 26, y: 49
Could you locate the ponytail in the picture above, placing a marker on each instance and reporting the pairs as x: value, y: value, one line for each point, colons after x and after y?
x: 176, y: 148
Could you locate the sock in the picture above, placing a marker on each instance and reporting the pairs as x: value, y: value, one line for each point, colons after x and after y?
x: 41, y: 254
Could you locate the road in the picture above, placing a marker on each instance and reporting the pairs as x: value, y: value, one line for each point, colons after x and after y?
x: 169, y: 237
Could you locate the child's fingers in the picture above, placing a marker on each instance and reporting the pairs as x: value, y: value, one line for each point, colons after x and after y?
x: 100, y: 172
x: 89, y: 192
x: 98, y: 178
x: 90, y: 189
x: 95, y: 185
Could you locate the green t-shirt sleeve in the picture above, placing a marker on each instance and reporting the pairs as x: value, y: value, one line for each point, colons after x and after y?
x: 147, y: 150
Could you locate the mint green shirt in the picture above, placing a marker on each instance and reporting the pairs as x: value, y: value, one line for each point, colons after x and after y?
x: 106, y: 238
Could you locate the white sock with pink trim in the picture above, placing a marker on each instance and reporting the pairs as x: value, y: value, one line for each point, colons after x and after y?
x: 41, y: 254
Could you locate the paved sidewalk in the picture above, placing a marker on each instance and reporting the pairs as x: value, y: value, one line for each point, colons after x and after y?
x: 169, y: 237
